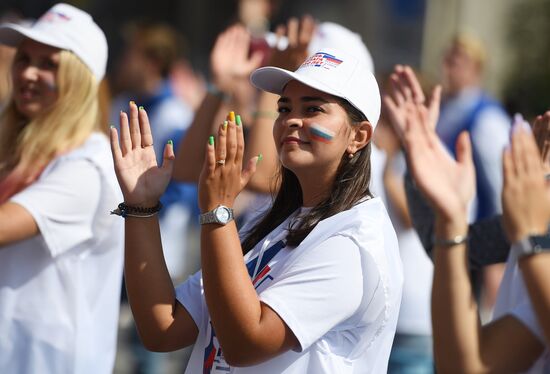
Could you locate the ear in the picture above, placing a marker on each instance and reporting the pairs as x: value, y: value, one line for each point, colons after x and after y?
x: 360, y: 136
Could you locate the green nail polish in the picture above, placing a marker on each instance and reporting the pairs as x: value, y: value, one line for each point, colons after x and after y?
x: 211, y: 140
x: 141, y: 107
x: 225, y: 123
x: 260, y: 158
x: 239, y: 121
x: 111, y: 126
x: 170, y: 142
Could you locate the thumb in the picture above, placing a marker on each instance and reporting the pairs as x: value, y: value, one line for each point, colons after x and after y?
x: 250, y: 169
x: 433, y: 107
x: 255, y: 61
x: 463, y: 149
x: 168, y: 157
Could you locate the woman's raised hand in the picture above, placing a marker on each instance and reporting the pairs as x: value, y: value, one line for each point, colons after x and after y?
x: 141, y: 180
x: 223, y: 177
x: 526, y: 192
x: 299, y: 33
x: 541, y: 130
x: 404, y: 88
x: 230, y: 63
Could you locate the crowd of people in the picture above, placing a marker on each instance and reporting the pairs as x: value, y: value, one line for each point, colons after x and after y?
x: 344, y: 225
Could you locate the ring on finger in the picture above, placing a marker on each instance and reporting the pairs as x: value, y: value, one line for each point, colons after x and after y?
x: 220, y: 162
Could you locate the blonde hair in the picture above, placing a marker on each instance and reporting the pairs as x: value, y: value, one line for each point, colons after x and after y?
x: 27, y: 147
x: 472, y: 46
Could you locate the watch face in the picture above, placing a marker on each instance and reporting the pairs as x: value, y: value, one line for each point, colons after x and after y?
x: 222, y: 215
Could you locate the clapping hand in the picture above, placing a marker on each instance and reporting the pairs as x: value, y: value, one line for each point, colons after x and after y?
x: 141, y: 180
x: 526, y: 192
x: 223, y: 177
x: 448, y: 184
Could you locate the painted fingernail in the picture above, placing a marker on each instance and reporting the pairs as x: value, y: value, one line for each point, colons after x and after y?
x: 141, y: 107
x: 132, y: 102
x: 170, y: 142
x: 260, y: 158
x: 225, y: 123
x: 211, y: 140
x: 238, y: 120
x: 231, y: 116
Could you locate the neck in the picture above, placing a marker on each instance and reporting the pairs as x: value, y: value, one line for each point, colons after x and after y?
x: 315, y: 186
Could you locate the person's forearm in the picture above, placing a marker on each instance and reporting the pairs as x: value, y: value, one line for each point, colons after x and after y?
x: 456, y: 326
x: 232, y: 301
x: 536, y: 274
x: 190, y: 154
x: 260, y: 141
x: 148, y: 284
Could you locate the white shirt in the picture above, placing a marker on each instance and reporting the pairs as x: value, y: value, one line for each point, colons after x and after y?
x: 418, y: 268
x: 513, y: 299
x: 60, y: 290
x: 338, y: 291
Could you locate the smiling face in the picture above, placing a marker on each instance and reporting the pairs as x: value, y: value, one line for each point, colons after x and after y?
x: 34, y: 77
x: 312, y: 132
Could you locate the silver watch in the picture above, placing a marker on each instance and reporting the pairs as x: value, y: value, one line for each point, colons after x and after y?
x: 533, y: 244
x: 221, y: 215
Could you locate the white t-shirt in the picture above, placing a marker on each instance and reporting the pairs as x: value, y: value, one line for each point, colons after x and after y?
x: 418, y: 268
x: 60, y: 290
x: 513, y: 299
x: 338, y: 291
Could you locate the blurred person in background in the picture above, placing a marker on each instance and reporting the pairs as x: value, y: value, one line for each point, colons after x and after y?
x: 412, y: 350
x: 522, y: 312
x: 6, y: 57
x: 466, y: 106
x: 143, y: 74
x: 60, y: 251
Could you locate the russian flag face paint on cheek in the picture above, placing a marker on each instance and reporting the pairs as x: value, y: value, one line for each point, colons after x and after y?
x: 320, y: 133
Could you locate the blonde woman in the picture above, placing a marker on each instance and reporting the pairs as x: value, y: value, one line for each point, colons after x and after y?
x: 60, y: 252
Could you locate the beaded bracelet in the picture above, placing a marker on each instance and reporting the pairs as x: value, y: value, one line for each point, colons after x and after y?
x: 124, y: 210
x: 457, y: 240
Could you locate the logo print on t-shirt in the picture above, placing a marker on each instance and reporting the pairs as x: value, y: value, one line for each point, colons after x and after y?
x: 214, y: 361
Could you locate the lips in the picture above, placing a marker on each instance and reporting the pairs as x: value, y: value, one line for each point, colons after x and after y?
x: 293, y: 140
x: 27, y: 93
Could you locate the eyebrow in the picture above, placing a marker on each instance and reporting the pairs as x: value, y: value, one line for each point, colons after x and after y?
x: 305, y: 99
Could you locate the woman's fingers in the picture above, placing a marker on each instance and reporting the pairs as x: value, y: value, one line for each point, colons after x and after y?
x: 135, y: 132
x: 240, y: 140
x: 125, y: 141
x: 168, y: 157
x: 115, y: 146
x: 231, y: 140
x: 221, y: 146
x: 210, y: 159
x: 410, y: 78
x: 145, y: 128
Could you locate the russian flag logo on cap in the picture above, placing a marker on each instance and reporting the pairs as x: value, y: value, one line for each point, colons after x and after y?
x: 323, y: 60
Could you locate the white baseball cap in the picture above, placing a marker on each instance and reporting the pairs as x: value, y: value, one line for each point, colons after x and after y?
x: 333, y: 35
x: 330, y: 71
x: 64, y: 27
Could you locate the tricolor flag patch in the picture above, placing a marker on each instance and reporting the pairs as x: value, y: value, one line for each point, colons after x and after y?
x: 323, y: 60
x: 320, y: 133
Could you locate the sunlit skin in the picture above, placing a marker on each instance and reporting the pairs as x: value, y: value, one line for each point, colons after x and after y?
x: 314, y: 162
x: 34, y: 75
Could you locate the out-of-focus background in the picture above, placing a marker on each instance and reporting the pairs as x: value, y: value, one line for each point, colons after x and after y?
x: 414, y: 32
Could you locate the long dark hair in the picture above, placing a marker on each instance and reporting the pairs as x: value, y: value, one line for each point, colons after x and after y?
x: 350, y: 186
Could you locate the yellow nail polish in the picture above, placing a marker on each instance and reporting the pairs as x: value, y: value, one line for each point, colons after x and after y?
x: 231, y: 116
x: 132, y: 102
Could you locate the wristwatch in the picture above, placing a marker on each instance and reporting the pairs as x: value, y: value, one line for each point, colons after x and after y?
x: 221, y: 215
x: 533, y: 244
